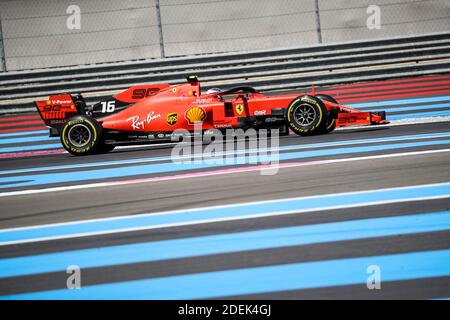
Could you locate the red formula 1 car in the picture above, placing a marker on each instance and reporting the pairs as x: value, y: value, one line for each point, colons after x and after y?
x: 147, y: 113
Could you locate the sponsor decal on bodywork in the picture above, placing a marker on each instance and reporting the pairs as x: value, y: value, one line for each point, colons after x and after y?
x: 59, y: 101
x: 172, y: 118
x: 222, y: 126
x: 260, y: 112
x: 239, y: 109
x: 195, y: 115
x: 138, y: 124
x: 203, y: 101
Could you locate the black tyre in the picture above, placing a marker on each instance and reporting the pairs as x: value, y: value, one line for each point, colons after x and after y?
x: 326, y: 98
x: 331, y: 123
x: 81, y: 135
x: 307, y: 115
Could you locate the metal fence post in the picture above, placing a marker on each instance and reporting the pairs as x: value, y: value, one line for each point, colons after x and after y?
x: 161, y: 36
x: 319, y: 31
x: 2, y: 49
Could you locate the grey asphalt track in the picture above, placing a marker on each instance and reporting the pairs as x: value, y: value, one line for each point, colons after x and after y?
x: 238, y: 187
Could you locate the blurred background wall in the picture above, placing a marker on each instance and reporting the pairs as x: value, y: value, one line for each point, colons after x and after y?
x: 35, y: 32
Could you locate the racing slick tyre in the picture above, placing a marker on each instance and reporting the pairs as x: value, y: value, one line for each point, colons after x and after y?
x: 331, y: 123
x: 307, y: 115
x: 81, y: 135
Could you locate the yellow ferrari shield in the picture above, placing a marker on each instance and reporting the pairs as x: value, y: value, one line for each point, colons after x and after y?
x: 239, y: 109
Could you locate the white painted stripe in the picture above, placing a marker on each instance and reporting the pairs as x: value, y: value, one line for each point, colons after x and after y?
x: 142, y: 146
x: 233, y: 152
x: 213, y: 173
x: 232, y: 218
x: 224, y: 206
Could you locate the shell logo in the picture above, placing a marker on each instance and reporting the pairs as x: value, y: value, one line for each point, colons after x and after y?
x: 195, y: 114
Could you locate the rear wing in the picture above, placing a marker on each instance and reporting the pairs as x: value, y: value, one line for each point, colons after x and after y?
x: 56, y: 110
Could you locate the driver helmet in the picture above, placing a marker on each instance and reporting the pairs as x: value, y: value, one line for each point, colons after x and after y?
x: 213, y: 90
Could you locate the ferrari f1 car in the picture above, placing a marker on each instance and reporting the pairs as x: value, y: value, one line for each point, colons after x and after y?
x: 146, y: 113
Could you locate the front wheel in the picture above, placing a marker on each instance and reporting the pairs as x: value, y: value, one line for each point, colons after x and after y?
x: 307, y: 115
x: 81, y: 135
x: 331, y: 122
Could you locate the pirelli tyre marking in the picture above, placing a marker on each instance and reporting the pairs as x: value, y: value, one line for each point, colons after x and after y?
x: 80, y: 136
x: 306, y: 115
x: 331, y: 125
x: 331, y: 122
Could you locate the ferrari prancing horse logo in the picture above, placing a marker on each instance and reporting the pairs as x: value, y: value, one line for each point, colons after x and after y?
x: 239, y: 109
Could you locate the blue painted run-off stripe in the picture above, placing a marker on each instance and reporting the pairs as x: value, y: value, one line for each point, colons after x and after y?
x: 398, y: 102
x: 419, y: 115
x: 27, y: 140
x: 414, y: 108
x: 296, y: 276
x: 25, y: 133
x: 236, y: 152
x: 125, y: 171
x: 226, y: 243
x: 32, y: 148
x: 240, y: 211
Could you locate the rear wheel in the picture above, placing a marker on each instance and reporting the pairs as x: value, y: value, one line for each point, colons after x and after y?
x: 307, y: 115
x: 81, y: 135
x: 331, y: 123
